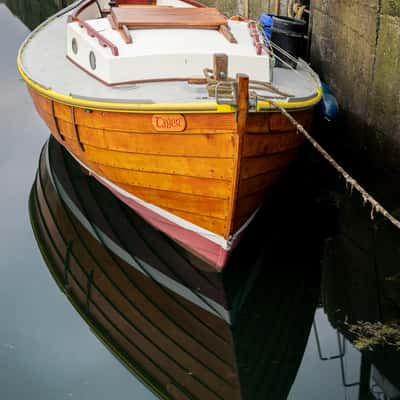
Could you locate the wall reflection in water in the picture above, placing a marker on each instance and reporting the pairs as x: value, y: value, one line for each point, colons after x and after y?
x: 361, y: 290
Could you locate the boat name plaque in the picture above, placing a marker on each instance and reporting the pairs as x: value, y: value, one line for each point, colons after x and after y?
x: 169, y: 122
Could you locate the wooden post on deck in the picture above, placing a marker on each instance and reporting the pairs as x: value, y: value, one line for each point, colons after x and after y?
x: 220, y: 67
x: 242, y: 82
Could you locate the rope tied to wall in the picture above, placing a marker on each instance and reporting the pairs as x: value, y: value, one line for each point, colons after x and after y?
x: 351, y: 182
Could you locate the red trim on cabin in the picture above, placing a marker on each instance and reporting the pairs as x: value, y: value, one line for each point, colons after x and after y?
x: 100, y: 38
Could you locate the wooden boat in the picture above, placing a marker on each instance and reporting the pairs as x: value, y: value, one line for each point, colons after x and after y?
x: 186, y: 333
x: 122, y: 88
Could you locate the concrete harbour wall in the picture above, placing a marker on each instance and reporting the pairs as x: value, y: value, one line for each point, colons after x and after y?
x: 356, y: 50
x: 255, y: 7
x: 355, y: 47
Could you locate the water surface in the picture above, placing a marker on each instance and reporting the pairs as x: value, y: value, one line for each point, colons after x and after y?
x: 46, y: 349
x: 48, y: 352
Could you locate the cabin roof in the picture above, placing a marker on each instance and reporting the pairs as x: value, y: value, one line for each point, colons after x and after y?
x: 167, y: 17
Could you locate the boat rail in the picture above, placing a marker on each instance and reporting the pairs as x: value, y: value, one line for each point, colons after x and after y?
x: 100, y: 38
x: 103, y: 41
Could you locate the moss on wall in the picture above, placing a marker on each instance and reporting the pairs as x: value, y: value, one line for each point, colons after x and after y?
x: 355, y: 48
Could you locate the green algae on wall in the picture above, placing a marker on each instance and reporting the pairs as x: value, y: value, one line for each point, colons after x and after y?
x: 355, y: 48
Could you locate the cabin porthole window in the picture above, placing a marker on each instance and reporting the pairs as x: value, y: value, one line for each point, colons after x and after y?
x: 92, y: 60
x: 74, y: 46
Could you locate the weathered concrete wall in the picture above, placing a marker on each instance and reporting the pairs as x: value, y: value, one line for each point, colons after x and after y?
x: 356, y: 49
x: 256, y: 7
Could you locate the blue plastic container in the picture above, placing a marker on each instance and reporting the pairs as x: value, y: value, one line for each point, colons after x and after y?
x: 266, y: 23
x: 328, y: 107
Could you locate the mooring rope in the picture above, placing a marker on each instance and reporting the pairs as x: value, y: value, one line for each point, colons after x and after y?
x: 376, y: 207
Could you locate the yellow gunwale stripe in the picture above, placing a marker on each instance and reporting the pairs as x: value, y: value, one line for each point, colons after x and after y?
x: 182, y: 108
x: 295, y: 105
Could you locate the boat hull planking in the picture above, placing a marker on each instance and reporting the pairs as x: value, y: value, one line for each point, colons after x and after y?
x: 200, y: 182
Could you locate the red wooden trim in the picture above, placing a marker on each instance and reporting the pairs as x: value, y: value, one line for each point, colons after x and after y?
x: 224, y: 30
x: 101, y: 39
x: 256, y: 37
x: 91, y: 31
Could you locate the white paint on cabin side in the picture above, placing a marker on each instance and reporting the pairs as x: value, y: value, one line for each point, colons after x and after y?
x: 165, y: 53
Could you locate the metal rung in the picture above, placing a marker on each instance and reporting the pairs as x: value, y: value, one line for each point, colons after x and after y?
x: 321, y: 357
x: 342, y: 349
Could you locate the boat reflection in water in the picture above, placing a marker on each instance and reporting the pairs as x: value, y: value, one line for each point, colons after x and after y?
x: 361, y: 292
x: 187, y: 331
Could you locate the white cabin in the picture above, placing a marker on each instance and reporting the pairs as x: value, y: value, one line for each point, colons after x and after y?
x: 169, y: 40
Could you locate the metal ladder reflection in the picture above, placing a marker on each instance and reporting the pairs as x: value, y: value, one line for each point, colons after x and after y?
x: 341, y: 341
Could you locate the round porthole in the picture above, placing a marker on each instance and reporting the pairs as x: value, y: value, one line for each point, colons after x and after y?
x: 92, y: 60
x: 74, y: 46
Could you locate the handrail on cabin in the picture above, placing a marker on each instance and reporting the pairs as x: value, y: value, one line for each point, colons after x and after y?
x: 103, y: 41
x: 100, y: 38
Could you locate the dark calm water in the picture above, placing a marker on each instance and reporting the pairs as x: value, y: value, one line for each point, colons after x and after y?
x: 46, y: 349
x: 48, y: 352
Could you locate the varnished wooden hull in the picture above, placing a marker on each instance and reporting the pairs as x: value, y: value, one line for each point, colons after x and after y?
x: 201, y: 185
x: 180, y: 348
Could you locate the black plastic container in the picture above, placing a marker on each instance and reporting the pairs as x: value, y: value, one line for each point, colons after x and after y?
x: 289, y: 34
